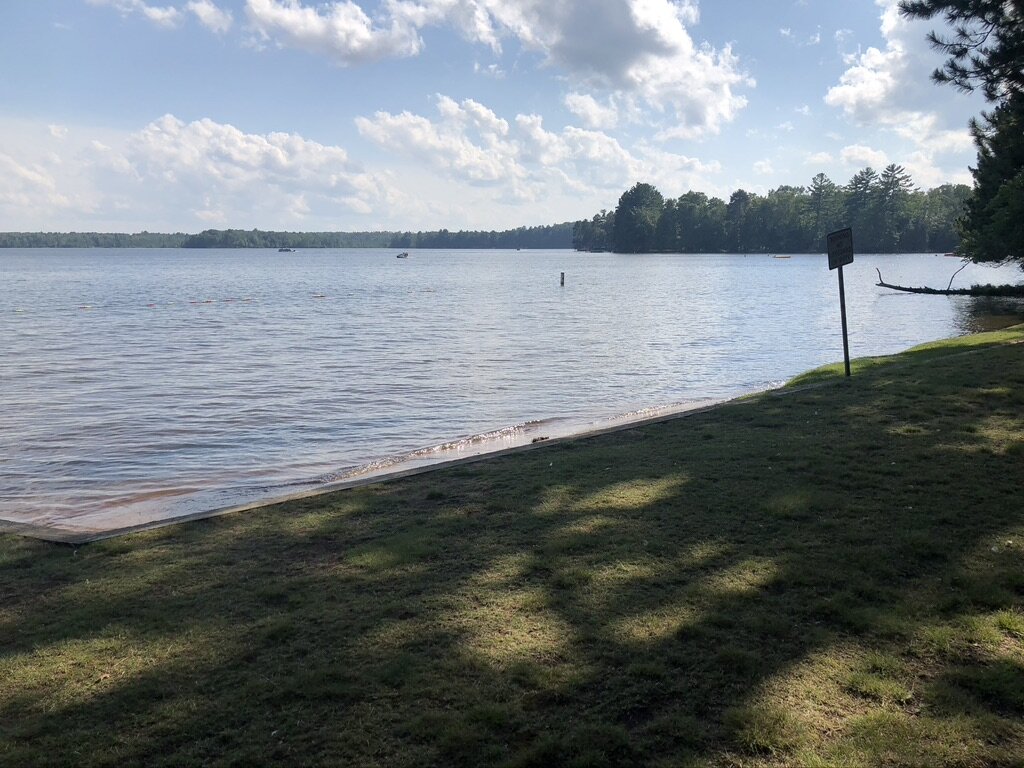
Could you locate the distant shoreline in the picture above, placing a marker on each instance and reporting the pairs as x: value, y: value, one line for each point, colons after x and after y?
x: 553, y: 236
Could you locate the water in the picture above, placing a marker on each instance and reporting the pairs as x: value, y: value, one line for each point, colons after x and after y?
x: 146, y: 384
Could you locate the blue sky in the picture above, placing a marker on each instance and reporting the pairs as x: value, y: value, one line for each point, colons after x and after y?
x: 181, y: 115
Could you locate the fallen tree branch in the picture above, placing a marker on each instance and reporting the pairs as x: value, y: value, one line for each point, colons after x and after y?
x: 930, y: 291
x: 974, y: 290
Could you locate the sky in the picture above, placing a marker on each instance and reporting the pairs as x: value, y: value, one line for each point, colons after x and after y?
x: 353, y: 115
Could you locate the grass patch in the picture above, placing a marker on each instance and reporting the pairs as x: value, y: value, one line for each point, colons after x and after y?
x: 737, y: 587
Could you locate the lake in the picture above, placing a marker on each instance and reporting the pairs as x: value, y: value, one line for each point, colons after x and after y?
x: 140, y: 384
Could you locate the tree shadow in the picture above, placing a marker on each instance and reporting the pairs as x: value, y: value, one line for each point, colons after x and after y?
x: 764, y: 582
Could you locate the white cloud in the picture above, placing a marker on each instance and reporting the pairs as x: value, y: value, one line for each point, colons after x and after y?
x: 57, y: 131
x: 210, y: 16
x: 859, y: 155
x: 591, y: 112
x: 28, y: 186
x: 893, y: 87
x: 464, y: 166
x: 618, y: 49
x: 926, y: 173
x: 890, y: 89
x: 222, y: 160
x: 469, y: 140
x: 173, y: 175
x: 491, y: 70
x: 788, y: 33
x: 786, y: 126
x: 521, y: 160
x: 803, y: 110
x: 818, y: 158
x: 341, y: 31
x: 166, y: 16
x: 764, y: 168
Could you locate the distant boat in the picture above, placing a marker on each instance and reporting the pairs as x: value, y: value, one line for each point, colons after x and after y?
x: 286, y: 250
x: 954, y: 254
x: 781, y: 257
x: 402, y: 255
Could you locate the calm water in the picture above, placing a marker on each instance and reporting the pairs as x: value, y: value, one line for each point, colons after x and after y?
x: 139, y: 384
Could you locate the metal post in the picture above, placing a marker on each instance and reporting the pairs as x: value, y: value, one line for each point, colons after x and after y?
x: 842, y: 310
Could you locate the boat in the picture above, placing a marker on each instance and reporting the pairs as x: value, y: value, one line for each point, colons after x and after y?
x: 402, y: 255
x: 782, y: 257
x: 286, y: 250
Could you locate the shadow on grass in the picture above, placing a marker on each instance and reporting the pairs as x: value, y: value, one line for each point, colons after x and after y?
x: 916, y: 355
x: 833, y: 576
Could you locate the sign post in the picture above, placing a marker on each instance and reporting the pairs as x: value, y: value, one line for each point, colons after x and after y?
x: 840, y: 252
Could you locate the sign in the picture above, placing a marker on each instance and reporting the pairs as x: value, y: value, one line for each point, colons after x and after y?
x: 840, y: 252
x: 840, y: 248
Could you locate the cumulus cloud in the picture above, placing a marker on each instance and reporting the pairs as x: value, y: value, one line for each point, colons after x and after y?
x: 469, y: 140
x: 218, y: 170
x: 210, y: 16
x: 235, y: 169
x: 818, y: 158
x: 617, y: 48
x: 764, y: 168
x: 521, y: 159
x: 27, y: 186
x: 635, y: 52
x: 176, y: 175
x: 891, y: 87
x: 166, y: 16
x: 859, y: 155
x: 341, y: 31
x: 591, y: 111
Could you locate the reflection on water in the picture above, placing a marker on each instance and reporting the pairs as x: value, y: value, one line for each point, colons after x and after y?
x: 976, y: 314
x: 141, y: 384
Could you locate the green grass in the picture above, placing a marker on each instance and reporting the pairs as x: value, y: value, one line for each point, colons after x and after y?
x: 832, y: 576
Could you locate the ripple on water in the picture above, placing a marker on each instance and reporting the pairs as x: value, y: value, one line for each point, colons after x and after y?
x: 141, y: 385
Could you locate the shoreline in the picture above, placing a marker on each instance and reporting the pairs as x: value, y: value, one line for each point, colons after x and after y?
x: 380, y: 471
x: 104, y: 524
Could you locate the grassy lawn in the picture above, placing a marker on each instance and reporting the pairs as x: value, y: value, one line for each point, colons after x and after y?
x: 833, y: 576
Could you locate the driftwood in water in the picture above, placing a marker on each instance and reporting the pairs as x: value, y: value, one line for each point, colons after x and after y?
x: 976, y: 290
x: 932, y: 291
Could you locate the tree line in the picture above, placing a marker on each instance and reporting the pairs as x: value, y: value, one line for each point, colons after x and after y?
x: 887, y: 214
x: 550, y: 236
x: 91, y: 240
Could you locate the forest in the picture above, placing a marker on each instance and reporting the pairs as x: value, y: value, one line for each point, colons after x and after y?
x: 887, y: 214
x: 91, y: 240
x: 552, y: 236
